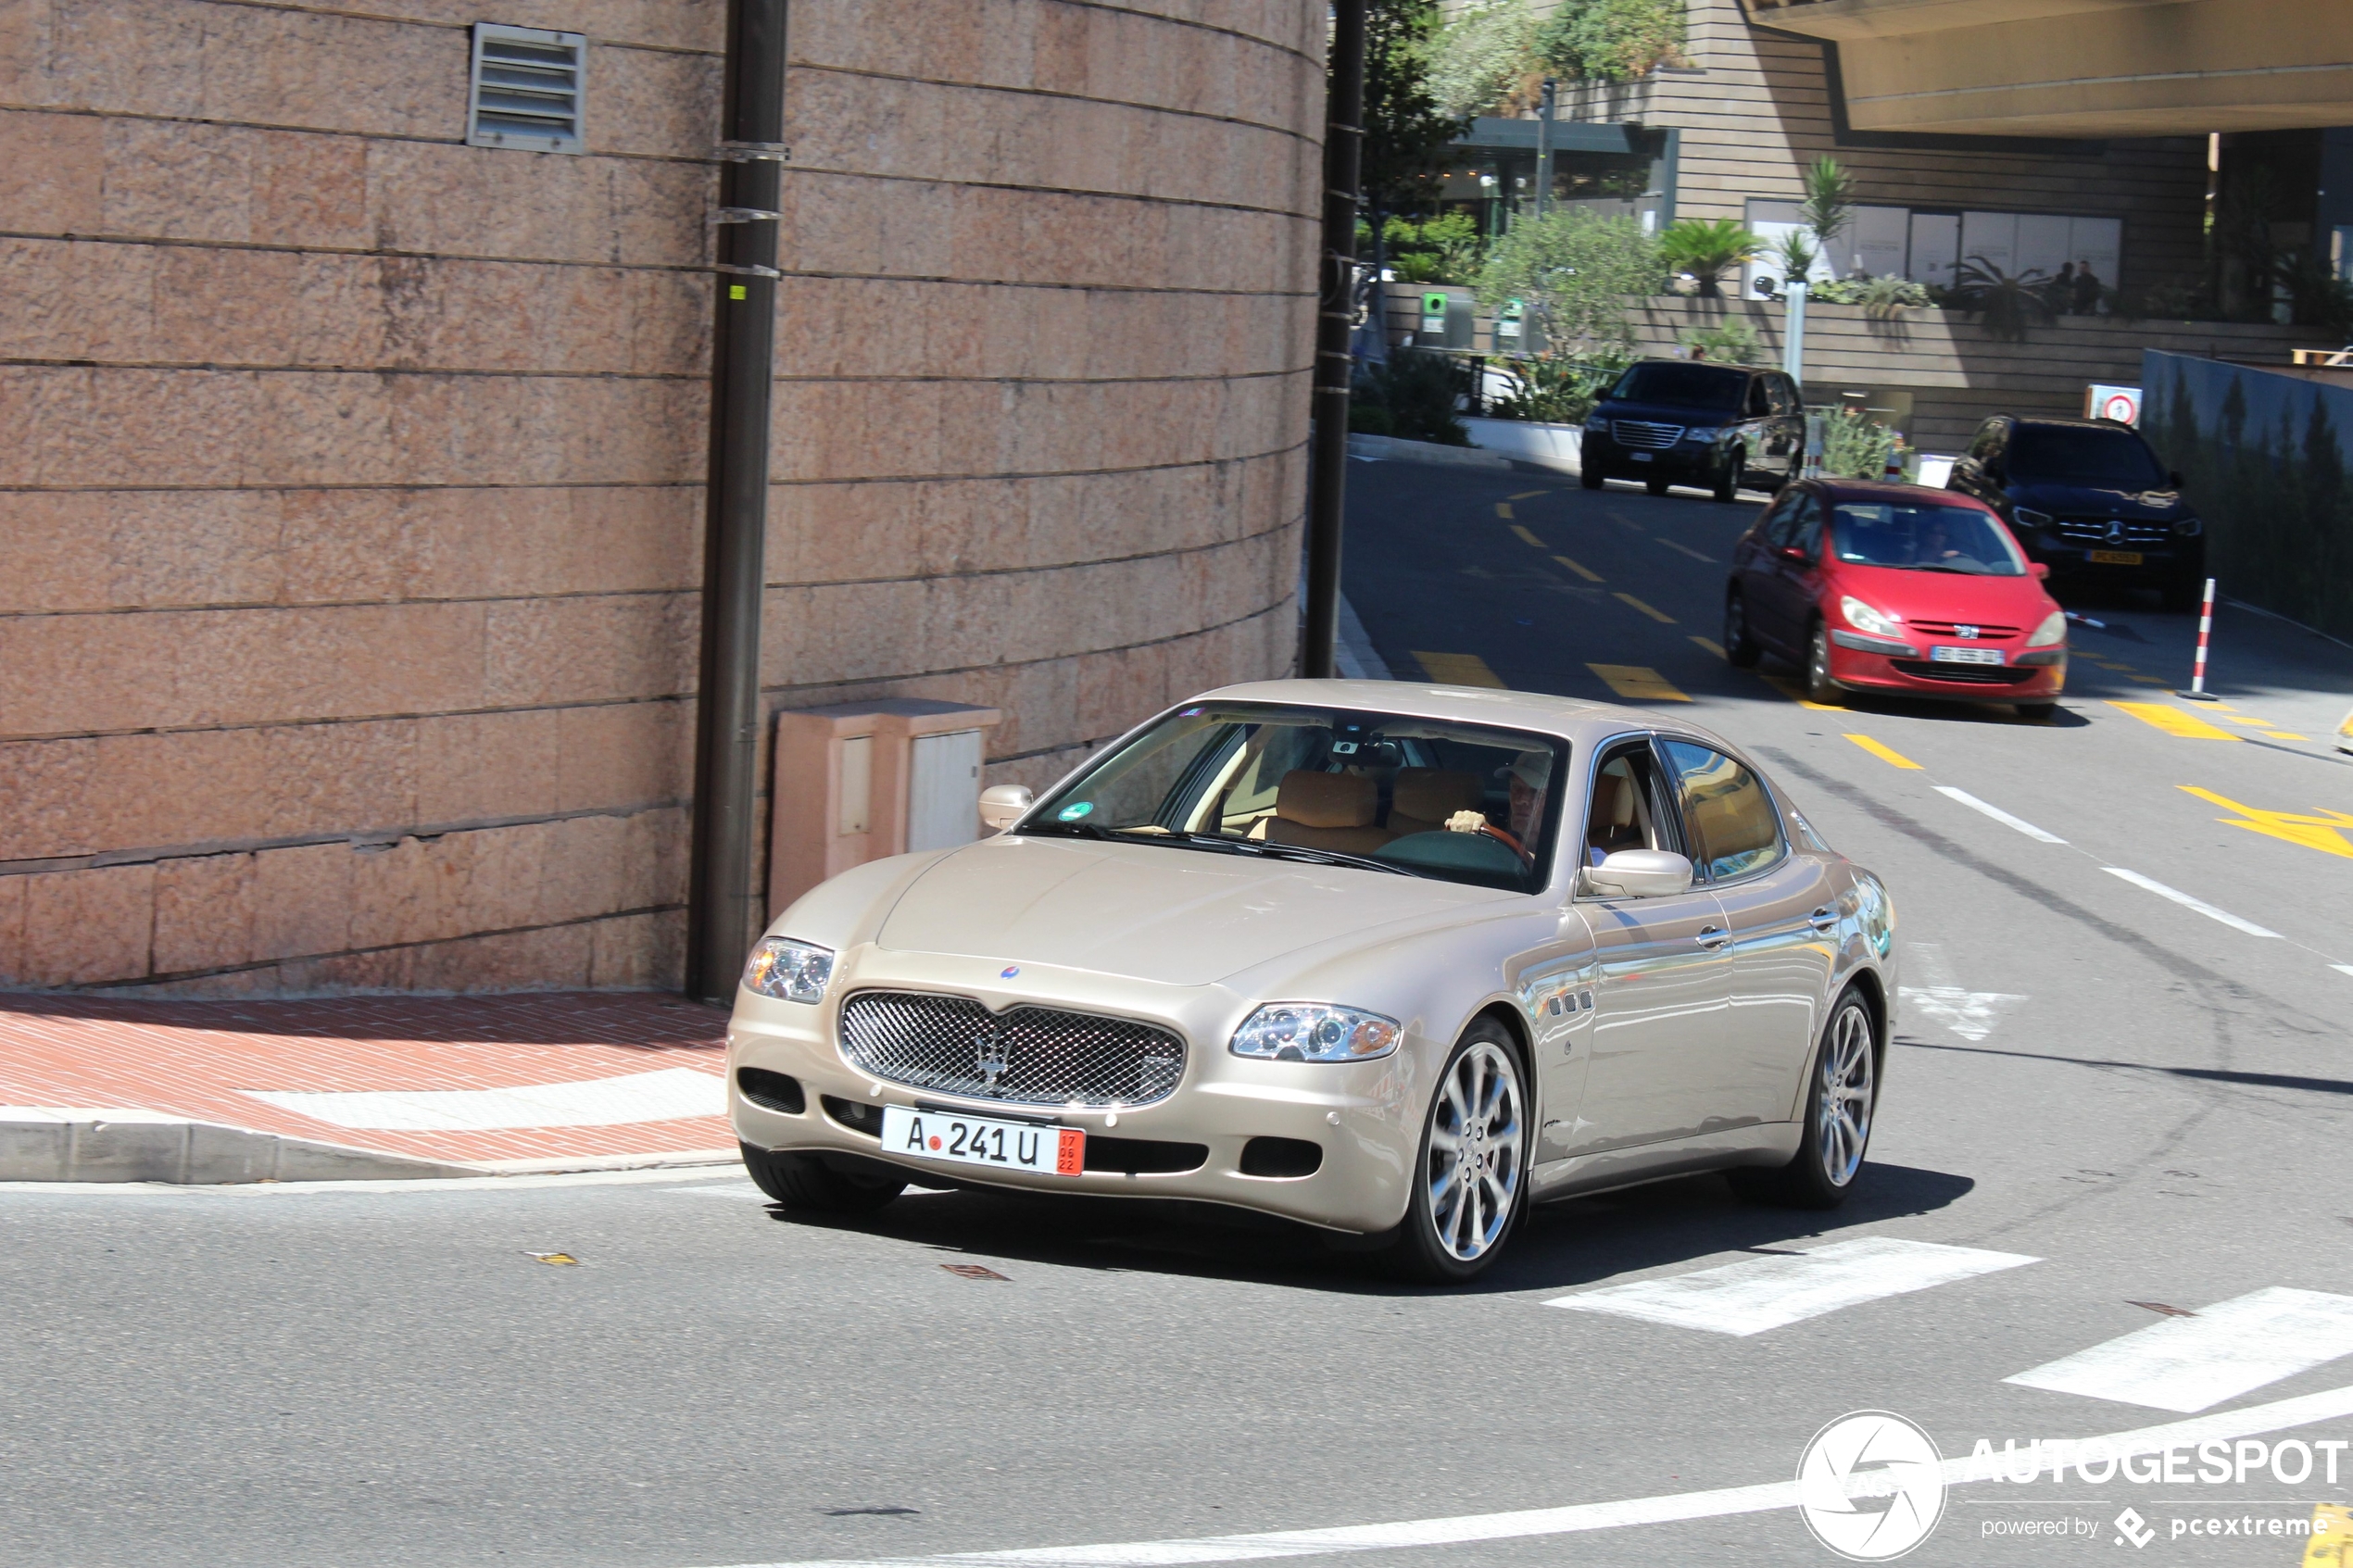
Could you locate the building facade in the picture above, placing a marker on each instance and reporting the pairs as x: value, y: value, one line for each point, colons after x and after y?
x: 351, y: 474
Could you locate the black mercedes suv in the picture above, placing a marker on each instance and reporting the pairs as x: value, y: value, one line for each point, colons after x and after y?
x: 1725, y: 428
x: 2088, y: 497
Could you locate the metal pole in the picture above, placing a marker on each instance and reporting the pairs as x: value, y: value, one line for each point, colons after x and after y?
x: 1328, y: 465
x: 724, y: 906
x: 2205, y: 629
x: 1794, y: 338
x: 1544, y: 147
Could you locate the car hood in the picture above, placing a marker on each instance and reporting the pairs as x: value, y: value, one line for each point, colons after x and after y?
x: 1669, y: 413
x: 1179, y: 917
x: 1945, y: 596
x: 2133, y: 506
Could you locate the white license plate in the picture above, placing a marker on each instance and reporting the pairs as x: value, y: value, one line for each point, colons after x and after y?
x: 1966, y: 656
x: 975, y: 1140
x: 1640, y: 456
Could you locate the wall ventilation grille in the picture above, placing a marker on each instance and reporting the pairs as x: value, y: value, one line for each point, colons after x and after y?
x: 527, y: 89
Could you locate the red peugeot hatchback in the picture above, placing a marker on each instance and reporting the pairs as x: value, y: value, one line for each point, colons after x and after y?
x: 1895, y: 588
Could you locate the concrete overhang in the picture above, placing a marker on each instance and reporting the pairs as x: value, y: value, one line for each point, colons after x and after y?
x: 2083, y: 68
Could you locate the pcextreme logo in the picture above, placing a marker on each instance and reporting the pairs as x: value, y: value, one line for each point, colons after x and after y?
x: 1871, y: 1486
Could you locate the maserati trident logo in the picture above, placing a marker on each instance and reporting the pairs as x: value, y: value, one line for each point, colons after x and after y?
x: 990, y: 1057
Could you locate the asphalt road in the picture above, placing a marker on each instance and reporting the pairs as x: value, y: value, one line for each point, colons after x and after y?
x: 2148, y: 1102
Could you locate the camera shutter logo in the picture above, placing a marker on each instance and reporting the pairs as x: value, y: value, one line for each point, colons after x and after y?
x: 1871, y: 1486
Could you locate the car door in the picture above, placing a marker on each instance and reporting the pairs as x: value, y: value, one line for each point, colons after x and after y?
x: 1752, y: 559
x: 1756, y: 423
x: 1780, y: 908
x: 1785, y: 444
x: 1662, y: 969
x: 1792, y: 579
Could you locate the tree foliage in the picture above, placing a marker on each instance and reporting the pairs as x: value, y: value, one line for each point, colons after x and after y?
x: 1705, y: 247
x: 1408, y: 136
x: 1611, y: 40
x: 1574, y: 271
x: 1483, y: 59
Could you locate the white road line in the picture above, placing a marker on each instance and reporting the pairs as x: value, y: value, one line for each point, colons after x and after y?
x: 2328, y: 1405
x: 700, y: 1171
x: 1974, y: 804
x: 1969, y: 1014
x: 2200, y: 905
x: 1676, y: 544
x: 1749, y: 1297
x: 2343, y: 968
x: 674, y: 1094
x: 2225, y: 1351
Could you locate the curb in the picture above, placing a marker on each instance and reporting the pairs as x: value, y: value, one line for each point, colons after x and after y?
x: 1398, y: 449
x: 46, y: 1143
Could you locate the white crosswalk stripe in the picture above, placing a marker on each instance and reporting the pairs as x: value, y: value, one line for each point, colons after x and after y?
x: 669, y: 1094
x: 1749, y: 1297
x: 2223, y: 1352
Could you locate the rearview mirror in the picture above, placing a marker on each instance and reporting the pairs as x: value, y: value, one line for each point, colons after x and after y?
x: 1001, y: 804
x: 1639, y: 873
x: 2038, y: 569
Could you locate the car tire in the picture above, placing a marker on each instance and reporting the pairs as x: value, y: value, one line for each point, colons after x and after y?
x: 1819, y: 687
x: 1736, y: 474
x: 1740, y: 646
x: 1592, y: 478
x: 1470, y: 1180
x: 1655, y: 486
x: 1842, y: 1097
x: 806, y: 1184
x: 2034, y: 709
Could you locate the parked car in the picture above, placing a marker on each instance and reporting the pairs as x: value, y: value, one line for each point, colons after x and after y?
x: 1725, y: 428
x: 2089, y: 499
x: 1868, y: 586
x: 1392, y: 959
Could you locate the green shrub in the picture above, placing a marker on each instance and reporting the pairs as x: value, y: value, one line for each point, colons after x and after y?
x: 1575, y: 271
x: 1732, y: 343
x: 1484, y: 60
x: 1415, y: 391
x: 1705, y: 247
x: 1611, y: 40
x: 1855, y: 445
x: 1556, y: 389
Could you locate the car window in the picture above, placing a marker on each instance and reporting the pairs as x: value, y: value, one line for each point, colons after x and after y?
x: 2084, y: 454
x: 1626, y: 809
x: 1807, y: 535
x: 1718, y: 388
x: 1456, y: 802
x: 1780, y: 524
x: 1988, y: 437
x: 1725, y: 811
x: 1760, y: 401
x: 1925, y: 538
x: 1785, y: 399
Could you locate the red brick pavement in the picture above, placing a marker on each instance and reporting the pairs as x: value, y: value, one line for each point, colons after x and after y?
x: 191, y: 1057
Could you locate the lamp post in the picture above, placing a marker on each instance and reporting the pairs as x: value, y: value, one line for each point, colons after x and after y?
x: 1544, y: 147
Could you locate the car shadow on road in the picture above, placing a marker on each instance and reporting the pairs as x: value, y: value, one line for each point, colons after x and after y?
x: 1559, y: 1245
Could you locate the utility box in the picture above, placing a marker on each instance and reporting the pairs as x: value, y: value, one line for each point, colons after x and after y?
x: 864, y: 781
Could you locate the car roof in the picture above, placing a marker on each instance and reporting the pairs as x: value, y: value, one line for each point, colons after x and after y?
x: 1881, y: 490
x: 1572, y: 719
x: 1711, y: 364
x: 2061, y: 421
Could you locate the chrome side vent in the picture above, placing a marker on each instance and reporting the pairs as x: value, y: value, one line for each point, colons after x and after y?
x: 527, y: 89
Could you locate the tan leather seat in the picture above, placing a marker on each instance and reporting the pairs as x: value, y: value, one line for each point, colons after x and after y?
x: 1614, y: 825
x: 1326, y: 811
x: 1423, y: 798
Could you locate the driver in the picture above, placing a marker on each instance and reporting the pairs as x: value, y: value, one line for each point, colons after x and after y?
x: 1530, y: 774
x: 1936, y: 541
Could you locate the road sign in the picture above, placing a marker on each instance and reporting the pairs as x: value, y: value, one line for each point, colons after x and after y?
x: 2121, y: 403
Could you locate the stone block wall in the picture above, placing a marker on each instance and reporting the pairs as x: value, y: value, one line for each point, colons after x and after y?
x: 350, y: 500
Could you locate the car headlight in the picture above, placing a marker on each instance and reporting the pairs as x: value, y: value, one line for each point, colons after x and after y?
x: 1703, y: 433
x: 794, y: 972
x: 1862, y: 617
x: 2052, y: 631
x: 2031, y: 518
x: 1595, y: 424
x: 1314, y: 1032
x: 2188, y: 527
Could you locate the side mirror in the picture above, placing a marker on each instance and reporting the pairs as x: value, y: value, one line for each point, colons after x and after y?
x: 1001, y: 804
x: 1790, y: 552
x: 2039, y: 570
x: 1639, y: 873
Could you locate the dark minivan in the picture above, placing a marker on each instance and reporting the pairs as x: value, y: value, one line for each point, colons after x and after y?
x: 2089, y: 499
x: 1725, y: 428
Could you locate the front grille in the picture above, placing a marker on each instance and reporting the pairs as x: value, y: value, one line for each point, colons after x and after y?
x: 1966, y: 674
x: 1027, y: 1055
x: 1644, y: 434
x: 1953, y: 629
x: 2094, y: 531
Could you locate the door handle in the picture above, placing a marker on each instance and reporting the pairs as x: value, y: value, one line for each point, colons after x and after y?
x: 1713, y: 936
x: 1823, y: 917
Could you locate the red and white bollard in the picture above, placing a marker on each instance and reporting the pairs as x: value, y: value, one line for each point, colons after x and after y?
x: 2205, y: 629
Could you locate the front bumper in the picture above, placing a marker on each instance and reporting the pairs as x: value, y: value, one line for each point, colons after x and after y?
x: 1366, y: 1117
x: 2159, y: 563
x: 1877, y: 667
x: 1688, y: 461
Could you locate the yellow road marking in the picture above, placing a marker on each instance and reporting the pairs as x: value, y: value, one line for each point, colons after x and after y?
x: 1504, y: 510
x: 1886, y: 753
x: 1711, y: 646
x: 2106, y: 665
x: 2331, y: 1542
x: 1796, y: 692
x: 1589, y: 576
x: 1529, y: 495
x: 2173, y: 720
x: 2148, y: 680
x: 2282, y: 735
x: 1637, y: 682
x: 1457, y: 669
x: 1659, y: 616
x: 1527, y: 536
x: 2251, y: 723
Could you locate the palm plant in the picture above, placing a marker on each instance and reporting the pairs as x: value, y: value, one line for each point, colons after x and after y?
x: 1796, y: 254
x: 2007, y: 304
x: 1829, y: 204
x: 1705, y: 247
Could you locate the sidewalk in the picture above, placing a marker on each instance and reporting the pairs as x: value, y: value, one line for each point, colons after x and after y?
x: 422, y: 1085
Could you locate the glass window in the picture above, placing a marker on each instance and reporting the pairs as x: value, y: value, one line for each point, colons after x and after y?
x: 1726, y: 809
x: 1718, y: 388
x: 1624, y: 811
x: 1760, y: 401
x: 2083, y: 455
x: 1988, y: 436
x: 1926, y: 537
x: 1780, y: 524
x: 1808, y: 534
x: 1422, y: 796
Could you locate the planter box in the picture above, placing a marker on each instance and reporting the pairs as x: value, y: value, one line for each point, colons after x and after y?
x: 1551, y: 446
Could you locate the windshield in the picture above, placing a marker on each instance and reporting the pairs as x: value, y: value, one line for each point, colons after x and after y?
x: 1924, y: 538
x: 2115, y: 459
x: 1693, y: 387
x: 1417, y: 797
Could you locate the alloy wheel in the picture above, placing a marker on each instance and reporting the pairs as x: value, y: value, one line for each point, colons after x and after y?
x: 1842, y: 1108
x: 1472, y: 1165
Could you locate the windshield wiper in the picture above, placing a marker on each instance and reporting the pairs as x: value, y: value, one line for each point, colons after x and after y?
x: 1071, y: 829
x: 1324, y: 857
